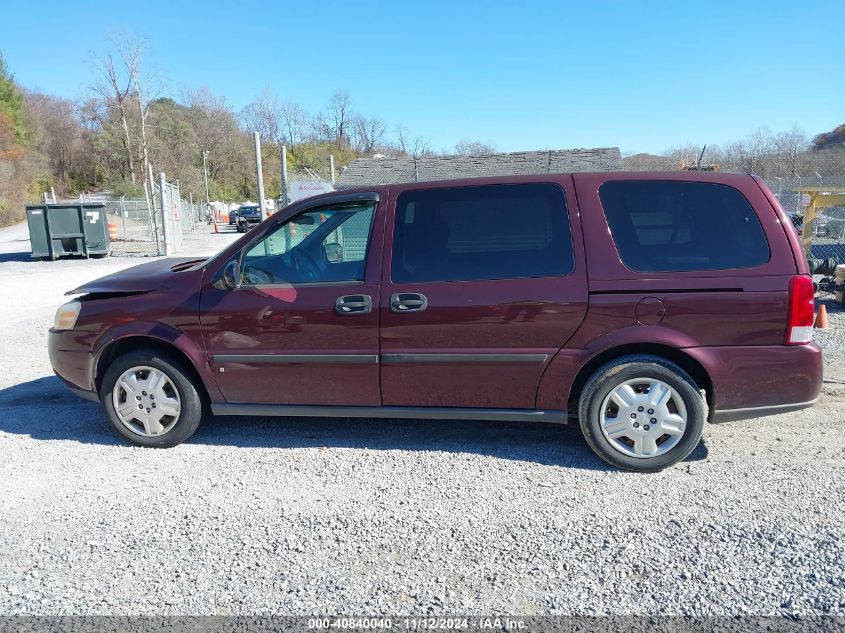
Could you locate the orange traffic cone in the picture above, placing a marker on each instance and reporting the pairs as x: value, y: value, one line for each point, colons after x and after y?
x: 112, y: 231
x: 821, y: 318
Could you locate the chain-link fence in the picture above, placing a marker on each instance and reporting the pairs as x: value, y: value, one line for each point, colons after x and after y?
x: 809, y: 184
x: 817, y: 210
x: 141, y: 232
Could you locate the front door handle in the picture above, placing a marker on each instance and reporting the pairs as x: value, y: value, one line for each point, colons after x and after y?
x: 408, y: 302
x: 354, y: 304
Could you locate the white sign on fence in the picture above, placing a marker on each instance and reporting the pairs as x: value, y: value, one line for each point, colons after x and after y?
x: 301, y: 189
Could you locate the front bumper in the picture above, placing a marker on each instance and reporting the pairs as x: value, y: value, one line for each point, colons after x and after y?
x: 82, y: 393
x: 71, y: 361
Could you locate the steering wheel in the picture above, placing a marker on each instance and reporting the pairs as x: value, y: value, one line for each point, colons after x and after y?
x: 258, y: 275
x: 306, y: 265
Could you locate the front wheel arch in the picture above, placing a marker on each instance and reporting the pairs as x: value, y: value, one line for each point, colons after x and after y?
x: 118, y: 348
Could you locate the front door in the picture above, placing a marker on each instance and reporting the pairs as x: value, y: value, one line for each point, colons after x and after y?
x: 482, y: 286
x: 302, y: 327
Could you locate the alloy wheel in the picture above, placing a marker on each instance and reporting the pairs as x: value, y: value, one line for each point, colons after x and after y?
x: 146, y: 401
x: 643, y: 417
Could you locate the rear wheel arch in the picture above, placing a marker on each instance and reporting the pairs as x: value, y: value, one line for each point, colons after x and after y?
x: 683, y: 360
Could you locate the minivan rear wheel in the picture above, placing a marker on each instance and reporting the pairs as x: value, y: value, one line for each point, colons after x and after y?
x: 642, y: 413
x: 150, y: 400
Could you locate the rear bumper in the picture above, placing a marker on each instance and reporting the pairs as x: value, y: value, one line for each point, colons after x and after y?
x: 755, y: 381
x: 731, y: 415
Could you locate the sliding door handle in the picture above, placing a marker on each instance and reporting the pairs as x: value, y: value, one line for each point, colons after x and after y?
x: 408, y: 302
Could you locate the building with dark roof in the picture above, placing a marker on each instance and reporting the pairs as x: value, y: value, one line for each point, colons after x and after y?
x: 363, y: 172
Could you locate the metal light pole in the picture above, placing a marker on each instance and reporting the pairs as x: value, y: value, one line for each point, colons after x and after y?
x: 798, y: 197
x: 259, y: 174
x: 820, y: 179
x: 780, y: 186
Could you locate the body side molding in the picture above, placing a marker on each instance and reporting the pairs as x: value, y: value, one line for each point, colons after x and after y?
x: 411, y: 413
x: 395, y: 359
x: 295, y: 359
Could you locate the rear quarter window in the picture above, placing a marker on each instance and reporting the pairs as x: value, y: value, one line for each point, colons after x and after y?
x: 675, y: 226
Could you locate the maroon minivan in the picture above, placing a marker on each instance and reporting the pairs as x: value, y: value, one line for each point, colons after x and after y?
x: 643, y: 303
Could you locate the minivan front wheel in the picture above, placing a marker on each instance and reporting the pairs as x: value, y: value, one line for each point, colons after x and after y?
x: 642, y: 413
x: 150, y: 400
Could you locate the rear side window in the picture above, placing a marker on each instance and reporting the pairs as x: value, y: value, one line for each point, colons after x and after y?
x: 486, y: 232
x: 670, y: 226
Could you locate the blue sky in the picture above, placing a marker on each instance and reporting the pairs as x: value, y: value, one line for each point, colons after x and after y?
x: 645, y: 76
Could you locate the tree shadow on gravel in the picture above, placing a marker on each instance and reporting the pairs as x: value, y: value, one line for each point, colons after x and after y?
x: 45, y: 410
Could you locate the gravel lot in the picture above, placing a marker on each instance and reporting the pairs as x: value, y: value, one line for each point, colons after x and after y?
x: 304, y: 516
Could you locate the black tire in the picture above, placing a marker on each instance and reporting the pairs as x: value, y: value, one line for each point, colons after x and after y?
x: 617, y: 372
x: 191, y: 402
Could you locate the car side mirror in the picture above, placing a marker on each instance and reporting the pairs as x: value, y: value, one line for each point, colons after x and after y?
x: 334, y: 252
x: 232, y: 274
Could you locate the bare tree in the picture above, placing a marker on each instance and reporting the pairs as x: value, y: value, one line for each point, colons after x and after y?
x: 131, y: 51
x: 421, y: 147
x: 367, y: 133
x: 91, y: 113
x: 339, y: 114
x: 402, y: 139
x: 756, y: 148
x: 115, y: 90
x: 790, y: 146
x: 416, y: 148
x: 466, y: 147
x: 216, y: 129
x: 265, y: 116
x: 294, y: 120
x: 59, y: 134
x: 319, y: 129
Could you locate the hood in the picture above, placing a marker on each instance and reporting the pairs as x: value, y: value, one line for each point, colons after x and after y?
x: 141, y: 278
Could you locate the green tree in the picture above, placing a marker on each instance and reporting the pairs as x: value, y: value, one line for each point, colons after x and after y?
x: 11, y: 103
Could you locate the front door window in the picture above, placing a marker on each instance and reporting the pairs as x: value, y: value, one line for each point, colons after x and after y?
x: 320, y: 245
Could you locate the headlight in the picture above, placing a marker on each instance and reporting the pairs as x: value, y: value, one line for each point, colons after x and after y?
x: 66, y: 316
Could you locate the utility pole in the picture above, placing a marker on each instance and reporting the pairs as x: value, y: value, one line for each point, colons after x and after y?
x: 284, y: 162
x: 331, y: 167
x: 259, y: 174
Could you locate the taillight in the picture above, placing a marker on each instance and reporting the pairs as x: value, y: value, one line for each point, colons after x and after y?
x: 799, y: 327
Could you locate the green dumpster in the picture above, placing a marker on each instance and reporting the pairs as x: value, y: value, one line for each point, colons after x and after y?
x: 64, y: 230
